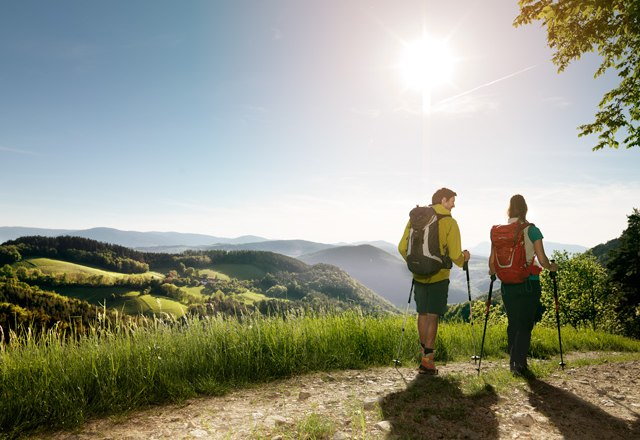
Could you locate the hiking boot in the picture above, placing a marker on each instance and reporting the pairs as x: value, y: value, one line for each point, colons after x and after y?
x: 520, y: 371
x: 428, y: 365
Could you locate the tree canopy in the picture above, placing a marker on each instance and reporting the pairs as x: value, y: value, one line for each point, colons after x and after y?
x: 624, y: 269
x: 610, y: 28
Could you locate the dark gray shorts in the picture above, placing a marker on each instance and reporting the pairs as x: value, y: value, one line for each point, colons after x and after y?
x: 432, y: 297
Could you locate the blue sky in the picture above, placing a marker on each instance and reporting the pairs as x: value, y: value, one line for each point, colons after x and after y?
x: 289, y: 119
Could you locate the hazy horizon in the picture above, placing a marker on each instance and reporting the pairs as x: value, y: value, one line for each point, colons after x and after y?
x: 230, y: 240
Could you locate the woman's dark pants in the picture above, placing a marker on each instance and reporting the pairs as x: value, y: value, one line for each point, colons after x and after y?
x: 521, y: 302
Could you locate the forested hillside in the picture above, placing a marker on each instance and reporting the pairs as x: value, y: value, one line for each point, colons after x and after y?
x: 45, y: 280
x: 77, y: 250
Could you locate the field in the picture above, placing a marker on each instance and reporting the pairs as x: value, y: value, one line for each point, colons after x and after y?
x: 214, y: 274
x: 78, y: 271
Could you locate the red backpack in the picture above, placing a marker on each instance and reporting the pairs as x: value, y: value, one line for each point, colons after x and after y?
x: 509, y: 255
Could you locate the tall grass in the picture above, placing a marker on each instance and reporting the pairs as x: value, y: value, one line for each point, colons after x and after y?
x: 58, y: 381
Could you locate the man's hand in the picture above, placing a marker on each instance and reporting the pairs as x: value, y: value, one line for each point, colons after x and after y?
x: 466, y: 255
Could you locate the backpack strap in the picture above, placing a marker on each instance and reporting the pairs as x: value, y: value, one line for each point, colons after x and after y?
x: 530, y: 262
x: 440, y: 217
x: 520, y: 230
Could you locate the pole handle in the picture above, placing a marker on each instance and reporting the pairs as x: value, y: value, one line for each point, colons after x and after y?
x: 553, y: 272
x: 465, y: 266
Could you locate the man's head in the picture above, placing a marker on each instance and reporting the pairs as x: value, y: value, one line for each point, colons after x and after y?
x: 446, y: 197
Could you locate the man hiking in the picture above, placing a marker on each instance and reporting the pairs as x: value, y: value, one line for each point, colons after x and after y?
x: 431, y: 286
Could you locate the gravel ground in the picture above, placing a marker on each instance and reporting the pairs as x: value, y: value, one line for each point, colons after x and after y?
x: 591, y: 402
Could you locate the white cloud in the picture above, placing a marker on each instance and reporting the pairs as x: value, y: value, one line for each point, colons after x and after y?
x: 369, y: 113
x: 466, y: 104
x: 557, y: 101
x: 17, y: 151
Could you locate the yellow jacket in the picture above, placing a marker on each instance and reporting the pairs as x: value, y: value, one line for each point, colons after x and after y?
x: 449, y: 235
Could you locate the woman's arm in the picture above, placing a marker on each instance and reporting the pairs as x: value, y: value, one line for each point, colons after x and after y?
x: 538, y: 247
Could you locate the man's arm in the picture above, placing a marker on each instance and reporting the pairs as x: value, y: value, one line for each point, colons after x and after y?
x: 454, y: 246
x: 403, y: 246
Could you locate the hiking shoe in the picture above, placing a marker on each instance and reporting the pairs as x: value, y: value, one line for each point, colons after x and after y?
x: 428, y: 365
x: 520, y: 371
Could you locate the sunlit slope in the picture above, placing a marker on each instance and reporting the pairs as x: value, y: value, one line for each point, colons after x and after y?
x: 123, y: 299
x: 73, y: 270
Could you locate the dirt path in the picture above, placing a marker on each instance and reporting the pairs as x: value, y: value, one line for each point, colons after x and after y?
x: 592, y: 402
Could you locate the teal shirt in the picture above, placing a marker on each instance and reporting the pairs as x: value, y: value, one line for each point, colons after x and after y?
x: 534, y: 233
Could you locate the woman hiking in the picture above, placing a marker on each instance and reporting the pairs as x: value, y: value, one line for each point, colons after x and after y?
x: 514, y: 249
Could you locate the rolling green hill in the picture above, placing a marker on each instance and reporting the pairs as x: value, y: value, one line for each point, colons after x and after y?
x: 124, y: 300
x: 193, y: 282
x: 75, y: 271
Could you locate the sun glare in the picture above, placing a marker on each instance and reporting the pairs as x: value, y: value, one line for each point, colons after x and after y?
x: 426, y: 64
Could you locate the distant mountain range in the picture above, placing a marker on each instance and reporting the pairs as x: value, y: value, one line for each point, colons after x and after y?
x: 377, y: 264
x: 130, y: 239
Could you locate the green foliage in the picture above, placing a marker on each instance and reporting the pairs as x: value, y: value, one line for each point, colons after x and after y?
x: 242, y: 271
x: 611, y: 29
x: 9, y: 254
x: 583, y: 292
x: 7, y: 271
x: 460, y: 312
x: 277, y: 291
x: 604, y: 251
x: 624, y: 267
x: 497, y: 314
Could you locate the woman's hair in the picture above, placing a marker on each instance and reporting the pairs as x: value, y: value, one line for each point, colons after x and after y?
x: 517, y: 208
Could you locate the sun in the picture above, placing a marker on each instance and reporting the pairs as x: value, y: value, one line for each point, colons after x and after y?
x: 426, y: 64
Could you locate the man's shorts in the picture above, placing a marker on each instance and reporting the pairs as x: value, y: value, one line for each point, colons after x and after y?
x: 432, y: 297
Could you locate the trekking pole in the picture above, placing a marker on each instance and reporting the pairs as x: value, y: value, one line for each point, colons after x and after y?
x: 465, y: 267
x: 486, y: 318
x: 396, y: 361
x: 555, y: 297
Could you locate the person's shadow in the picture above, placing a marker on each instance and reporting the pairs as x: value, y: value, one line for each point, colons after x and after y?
x: 576, y: 418
x: 433, y: 407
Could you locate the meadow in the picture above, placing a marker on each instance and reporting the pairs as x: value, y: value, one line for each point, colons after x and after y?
x: 57, y: 380
x: 73, y: 271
